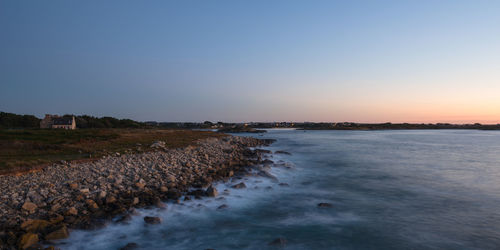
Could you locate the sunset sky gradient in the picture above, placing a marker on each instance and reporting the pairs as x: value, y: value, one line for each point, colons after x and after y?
x: 282, y: 60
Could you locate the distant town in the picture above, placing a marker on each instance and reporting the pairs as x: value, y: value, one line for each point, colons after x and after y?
x: 322, y: 125
x: 13, y: 121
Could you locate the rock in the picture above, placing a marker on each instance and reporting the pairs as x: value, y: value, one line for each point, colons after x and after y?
x: 105, y: 187
x: 223, y: 206
x: 239, y: 185
x: 324, y: 204
x: 35, y: 225
x: 268, y: 175
x: 110, y: 199
x: 118, y: 180
x: 92, y: 205
x: 27, y: 240
x: 135, y: 201
x: 30, y: 207
x: 267, y: 162
x: 55, y: 207
x: 284, y: 184
x: 158, y: 145
x: 130, y: 246
x: 279, y: 242
x: 211, y: 191
x: 152, y: 220
x: 102, y: 194
x: 61, y: 233
x: 282, y: 152
x: 72, y: 211
x: 56, y: 219
x: 124, y: 218
x: 263, y: 151
x: 160, y: 204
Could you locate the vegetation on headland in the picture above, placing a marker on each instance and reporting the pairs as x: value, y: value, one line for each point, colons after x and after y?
x: 24, y: 146
x: 10, y: 120
x: 15, y: 121
x: 240, y: 129
x: 25, y: 149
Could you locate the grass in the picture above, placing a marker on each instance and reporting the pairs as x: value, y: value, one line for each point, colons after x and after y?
x: 28, y: 149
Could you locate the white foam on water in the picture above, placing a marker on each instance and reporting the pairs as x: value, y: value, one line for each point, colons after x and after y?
x: 180, y: 221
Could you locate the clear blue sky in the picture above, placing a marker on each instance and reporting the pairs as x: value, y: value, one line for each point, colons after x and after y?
x: 366, y: 61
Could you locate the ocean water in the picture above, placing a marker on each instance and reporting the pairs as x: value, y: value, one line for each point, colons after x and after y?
x: 426, y: 189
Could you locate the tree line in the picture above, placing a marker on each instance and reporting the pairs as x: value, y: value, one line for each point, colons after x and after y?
x: 13, y: 121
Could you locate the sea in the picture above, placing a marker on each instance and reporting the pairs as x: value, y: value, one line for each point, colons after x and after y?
x: 390, y: 189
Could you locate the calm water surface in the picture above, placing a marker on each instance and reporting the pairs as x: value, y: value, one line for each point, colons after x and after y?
x: 389, y: 190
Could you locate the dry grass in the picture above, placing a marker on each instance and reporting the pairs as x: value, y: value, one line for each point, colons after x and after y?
x: 24, y: 150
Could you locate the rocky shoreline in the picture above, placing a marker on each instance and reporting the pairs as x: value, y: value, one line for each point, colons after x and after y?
x: 39, y: 208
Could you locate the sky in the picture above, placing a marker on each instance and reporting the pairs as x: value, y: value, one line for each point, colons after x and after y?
x: 259, y: 60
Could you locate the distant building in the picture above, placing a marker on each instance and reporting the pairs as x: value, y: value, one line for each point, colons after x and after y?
x: 55, y: 121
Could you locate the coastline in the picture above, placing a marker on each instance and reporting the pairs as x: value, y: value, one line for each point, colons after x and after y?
x: 40, y: 207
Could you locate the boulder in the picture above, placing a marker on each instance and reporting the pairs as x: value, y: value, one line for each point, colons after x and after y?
x: 135, y: 201
x: 30, y: 207
x: 102, y: 194
x: 152, y: 220
x: 72, y: 211
x: 130, y: 246
x: 27, y: 240
x: 140, y: 185
x: 267, y: 162
x: 110, y: 199
x: 223, y: 206
x: 268, y: 175
x: 56, y: 219
x: 55, y: 207
x: 239, y: 185
x: 158, y: 145
x: 282, y: 152
x: 324, y: 204
x: 160, y: 204
x: 124, y: 218
x: 279, y: 242
x: 211, y: 191
x: 61, y: 233
x: 262, y: 151
x: 35, y: 225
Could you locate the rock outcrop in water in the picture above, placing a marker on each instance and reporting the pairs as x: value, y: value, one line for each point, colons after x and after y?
x: 40, y: 206
x: 324, y: 204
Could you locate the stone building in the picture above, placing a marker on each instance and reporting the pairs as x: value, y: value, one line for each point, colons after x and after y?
x: 55, y: 121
